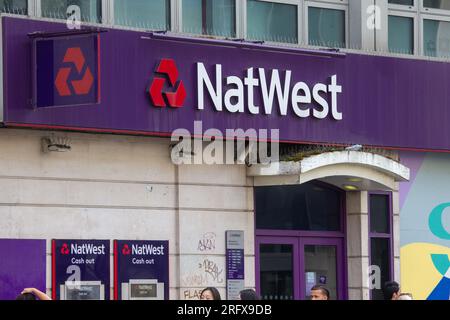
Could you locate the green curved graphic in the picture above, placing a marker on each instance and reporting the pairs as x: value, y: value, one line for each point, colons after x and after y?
x: 441, y: 263
x: 435, y: 222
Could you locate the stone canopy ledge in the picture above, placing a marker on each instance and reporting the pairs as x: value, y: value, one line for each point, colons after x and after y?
x: 372, y: 161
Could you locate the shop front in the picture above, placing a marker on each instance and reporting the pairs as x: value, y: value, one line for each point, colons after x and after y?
x: 111, y: 100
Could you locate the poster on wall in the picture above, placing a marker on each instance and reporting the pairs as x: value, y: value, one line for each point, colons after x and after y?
x: 141, y: 270
x: 80, y: 269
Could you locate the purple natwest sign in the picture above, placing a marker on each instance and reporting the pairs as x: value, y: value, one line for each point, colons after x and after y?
x: 154, y: 84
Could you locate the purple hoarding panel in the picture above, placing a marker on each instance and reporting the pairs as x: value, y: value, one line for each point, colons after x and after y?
x: 22, y: 265
x: 152, y: 84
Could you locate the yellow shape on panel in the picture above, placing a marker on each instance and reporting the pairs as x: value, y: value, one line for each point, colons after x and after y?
x: 419, y: 276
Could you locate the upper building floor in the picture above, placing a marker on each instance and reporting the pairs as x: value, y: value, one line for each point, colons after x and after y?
x: 419, y: 28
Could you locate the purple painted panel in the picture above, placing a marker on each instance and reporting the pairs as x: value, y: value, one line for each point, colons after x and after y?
x: 22, y: 265
x: 386, y: 101
x: 412, y: 160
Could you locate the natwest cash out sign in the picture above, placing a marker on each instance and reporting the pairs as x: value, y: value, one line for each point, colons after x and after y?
x: 80, y: 262
x: 139, y: 265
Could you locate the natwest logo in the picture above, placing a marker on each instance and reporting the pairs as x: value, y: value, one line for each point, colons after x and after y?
x: 83, y: 85
x: 174, y: 99
x: 86, y: 248
x: 147, y: 249
x: 64, y: 249
x: 126, y: 250
x: 161, y: 98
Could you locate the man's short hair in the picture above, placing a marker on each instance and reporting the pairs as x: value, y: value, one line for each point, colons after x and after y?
x: 389, y: 289
x: 323, y: 289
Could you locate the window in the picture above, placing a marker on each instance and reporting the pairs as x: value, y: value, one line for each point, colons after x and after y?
x: 210, y: 17
x: 14, y: 6
x: 437, y: 4
x: 401, y: 34
x: 276, y: 272
x: 151, y: 15
x: 90, y: 9
x: 380, y: 238
x: 272, y: 21
x: 305, y: 207
x: 436, y: 38
x: 402, y: 2
x: 326, y: 27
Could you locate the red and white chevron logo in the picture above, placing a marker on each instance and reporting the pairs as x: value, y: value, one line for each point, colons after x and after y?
x: 80, y: 87
x: 160, y: 98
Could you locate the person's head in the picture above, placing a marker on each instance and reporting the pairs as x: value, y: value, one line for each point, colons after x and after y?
x: 210, y: 293
x: 391, y: 290
x: 405, y: 296
x: 248, y: 294
x: 26, y: 296
x: 320, y: 293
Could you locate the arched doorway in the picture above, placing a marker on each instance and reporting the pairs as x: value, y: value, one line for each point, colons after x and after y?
x: 300, y: 240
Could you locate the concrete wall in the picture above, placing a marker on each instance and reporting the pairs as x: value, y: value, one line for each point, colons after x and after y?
x: 116, y: 187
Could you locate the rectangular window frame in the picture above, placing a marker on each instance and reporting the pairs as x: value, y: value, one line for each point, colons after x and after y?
x: 37, y: 11
x: 324, y: 5
x: 173, y: 22
x: 290, y: 2
x: 401, y: 7
x: 376, y: 235
x: 30, y: 9
x: 237, y: 22
x: 416, y: 36
x: 433, y: 11
x: 430, y: 17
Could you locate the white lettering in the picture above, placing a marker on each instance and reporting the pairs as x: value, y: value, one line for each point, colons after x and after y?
x: 87, y: 248
x: 305, y: 102
x: 321, y: 101
x: 251, y: 82
x: 203, y: 78
x: 335, y: 89
x: 297, y: 99
x: 237, y: 93
x: 147, y: 249
x: 268, y: 94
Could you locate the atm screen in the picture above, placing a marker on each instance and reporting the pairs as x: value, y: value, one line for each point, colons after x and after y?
x: 143, y: 290
x: 83, y: 292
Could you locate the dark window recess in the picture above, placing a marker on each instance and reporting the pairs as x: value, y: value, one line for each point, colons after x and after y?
x: 403, y: 2
x: 379, y: 213
x: 306, y: 207
x: 380, y: 256
x: 276, y: 272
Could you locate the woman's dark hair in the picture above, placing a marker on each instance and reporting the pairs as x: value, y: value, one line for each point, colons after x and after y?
x: 389, y: 289
x: 214, y: 291
x: 249, y: 294
x: 26, y: 296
